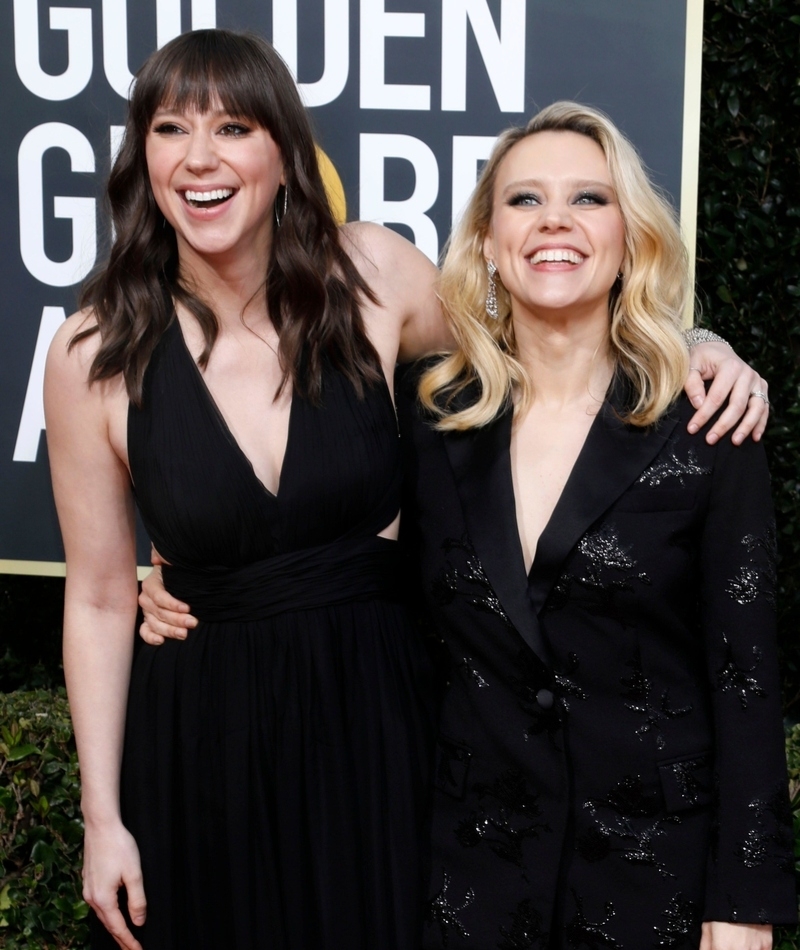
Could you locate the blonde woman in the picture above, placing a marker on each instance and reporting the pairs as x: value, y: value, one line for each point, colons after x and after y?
x: 610, y: 764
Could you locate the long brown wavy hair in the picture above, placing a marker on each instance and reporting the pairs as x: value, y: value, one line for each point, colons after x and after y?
x: 313, y: 289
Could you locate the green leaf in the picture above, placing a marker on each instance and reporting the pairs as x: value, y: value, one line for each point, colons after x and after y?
x: 733, y: 105
x: 724, y: 294
x: 80, y: 910
x: 19, y: 752
x: 43, y: 854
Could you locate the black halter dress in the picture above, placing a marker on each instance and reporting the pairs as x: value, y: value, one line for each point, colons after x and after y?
x: 275, y: 767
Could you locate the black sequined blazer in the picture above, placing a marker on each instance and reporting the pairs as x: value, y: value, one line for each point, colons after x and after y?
x: 610, y: 767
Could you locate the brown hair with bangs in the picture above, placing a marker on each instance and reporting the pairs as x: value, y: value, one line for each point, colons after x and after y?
x: 313, y: 289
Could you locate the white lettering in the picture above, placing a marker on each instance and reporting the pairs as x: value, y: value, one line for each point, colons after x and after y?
x: 337, y: 48
x: 115, y: 136
x: 504, y: 58
x: 376, y: 25
x: 31, y: 424
x: 31, y: 206
x: 204, y: 14
x: 77, y: 22
x: 168, y: 26
x: 374, y: 150
x: 468, y: 152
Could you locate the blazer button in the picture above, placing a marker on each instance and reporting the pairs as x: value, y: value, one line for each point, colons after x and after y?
x: 545, y: 699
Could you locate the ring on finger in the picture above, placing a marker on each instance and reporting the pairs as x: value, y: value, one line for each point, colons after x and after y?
x: 759, y: 395
x: 695, y: 369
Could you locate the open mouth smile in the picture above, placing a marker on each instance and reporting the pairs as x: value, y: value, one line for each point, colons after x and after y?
x: 207, y: 199
x: 557, y: 255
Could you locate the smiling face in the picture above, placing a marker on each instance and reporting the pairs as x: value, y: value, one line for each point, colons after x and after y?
x: 215, y: 178
x: 556, y: 233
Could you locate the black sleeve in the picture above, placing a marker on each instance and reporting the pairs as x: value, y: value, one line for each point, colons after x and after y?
x: 750, y: 869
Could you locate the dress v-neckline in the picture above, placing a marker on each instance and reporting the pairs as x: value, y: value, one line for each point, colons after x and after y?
x: 223, y: 422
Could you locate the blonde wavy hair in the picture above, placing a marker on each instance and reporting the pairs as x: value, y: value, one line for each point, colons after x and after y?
x: 645, y: 306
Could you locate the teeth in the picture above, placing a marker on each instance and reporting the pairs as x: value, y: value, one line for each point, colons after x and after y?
x: 557, y: 254
x: 216, y: 195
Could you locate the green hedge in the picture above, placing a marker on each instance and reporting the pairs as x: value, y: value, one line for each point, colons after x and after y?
x: 40, y: 826
x: 748, y: 274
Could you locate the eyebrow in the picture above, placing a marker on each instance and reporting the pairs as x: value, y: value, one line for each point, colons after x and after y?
x: 217, y: 113
x: 577, y: 183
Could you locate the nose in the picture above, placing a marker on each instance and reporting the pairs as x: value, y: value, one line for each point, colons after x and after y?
x: 200, y: 153
x: 556, y: 216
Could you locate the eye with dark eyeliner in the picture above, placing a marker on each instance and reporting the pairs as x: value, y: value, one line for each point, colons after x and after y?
x: 166, y: 128
x: 523, y: 199
x: 590, y: 197
x: 234, y: 129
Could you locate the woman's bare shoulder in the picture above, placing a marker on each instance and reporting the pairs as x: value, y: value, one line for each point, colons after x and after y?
x: 69, y: 357
x: 381, y: 253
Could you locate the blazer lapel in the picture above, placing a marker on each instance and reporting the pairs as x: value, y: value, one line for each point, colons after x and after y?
x: 480, y: 460
x: 612, y: 458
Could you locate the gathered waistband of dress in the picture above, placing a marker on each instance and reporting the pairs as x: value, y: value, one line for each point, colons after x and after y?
x: 336, y: 573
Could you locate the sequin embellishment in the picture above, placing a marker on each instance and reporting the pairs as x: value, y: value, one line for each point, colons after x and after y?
x: 582, y: 932
x: 732, y: 678
x: 683, y: 921
x: 566, y: 685
x: 610, y: 568
x: 443, y: 913
x: 467, y: 667
x: 471, y: 583
x: 672, y: 467
x: 638, y: 690
x: 759, y: 577
x: 688, y: 783
x: 771, y: 838
x: 625, y: 818
x: 525, y: 932
x: 508, y: 814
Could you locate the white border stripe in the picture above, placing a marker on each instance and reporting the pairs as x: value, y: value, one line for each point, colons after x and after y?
x: 690, y: 161
x: 51, y: 568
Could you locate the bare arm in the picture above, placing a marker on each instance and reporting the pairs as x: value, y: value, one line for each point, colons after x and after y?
x: 95, y: 510
x: 408, y: 322
x: 721, y: 936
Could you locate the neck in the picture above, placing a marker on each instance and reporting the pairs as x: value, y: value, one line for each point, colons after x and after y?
x: 232, y: 288
x: 570, y: 365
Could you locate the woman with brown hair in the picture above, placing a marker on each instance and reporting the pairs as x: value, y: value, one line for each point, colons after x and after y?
x: 231, y: 368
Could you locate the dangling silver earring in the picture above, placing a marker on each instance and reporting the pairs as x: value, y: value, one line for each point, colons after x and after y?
x: 279, y: 217
x: 491, y: 294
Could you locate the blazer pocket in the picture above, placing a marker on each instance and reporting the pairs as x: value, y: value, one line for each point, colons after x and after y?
x: 452, y: 767
x: 657, y: 499
x: 687, y: 781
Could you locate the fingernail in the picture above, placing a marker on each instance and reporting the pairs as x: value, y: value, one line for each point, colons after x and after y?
x: 697, y: 401
x: 692, y: 427
x: 712, y: 438
x: 737, y: 439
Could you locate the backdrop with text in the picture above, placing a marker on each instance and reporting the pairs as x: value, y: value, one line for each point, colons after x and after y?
x: 406, y: 97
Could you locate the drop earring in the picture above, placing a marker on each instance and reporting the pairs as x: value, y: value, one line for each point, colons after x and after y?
x: 279, y: 217
x: 491, y: 294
